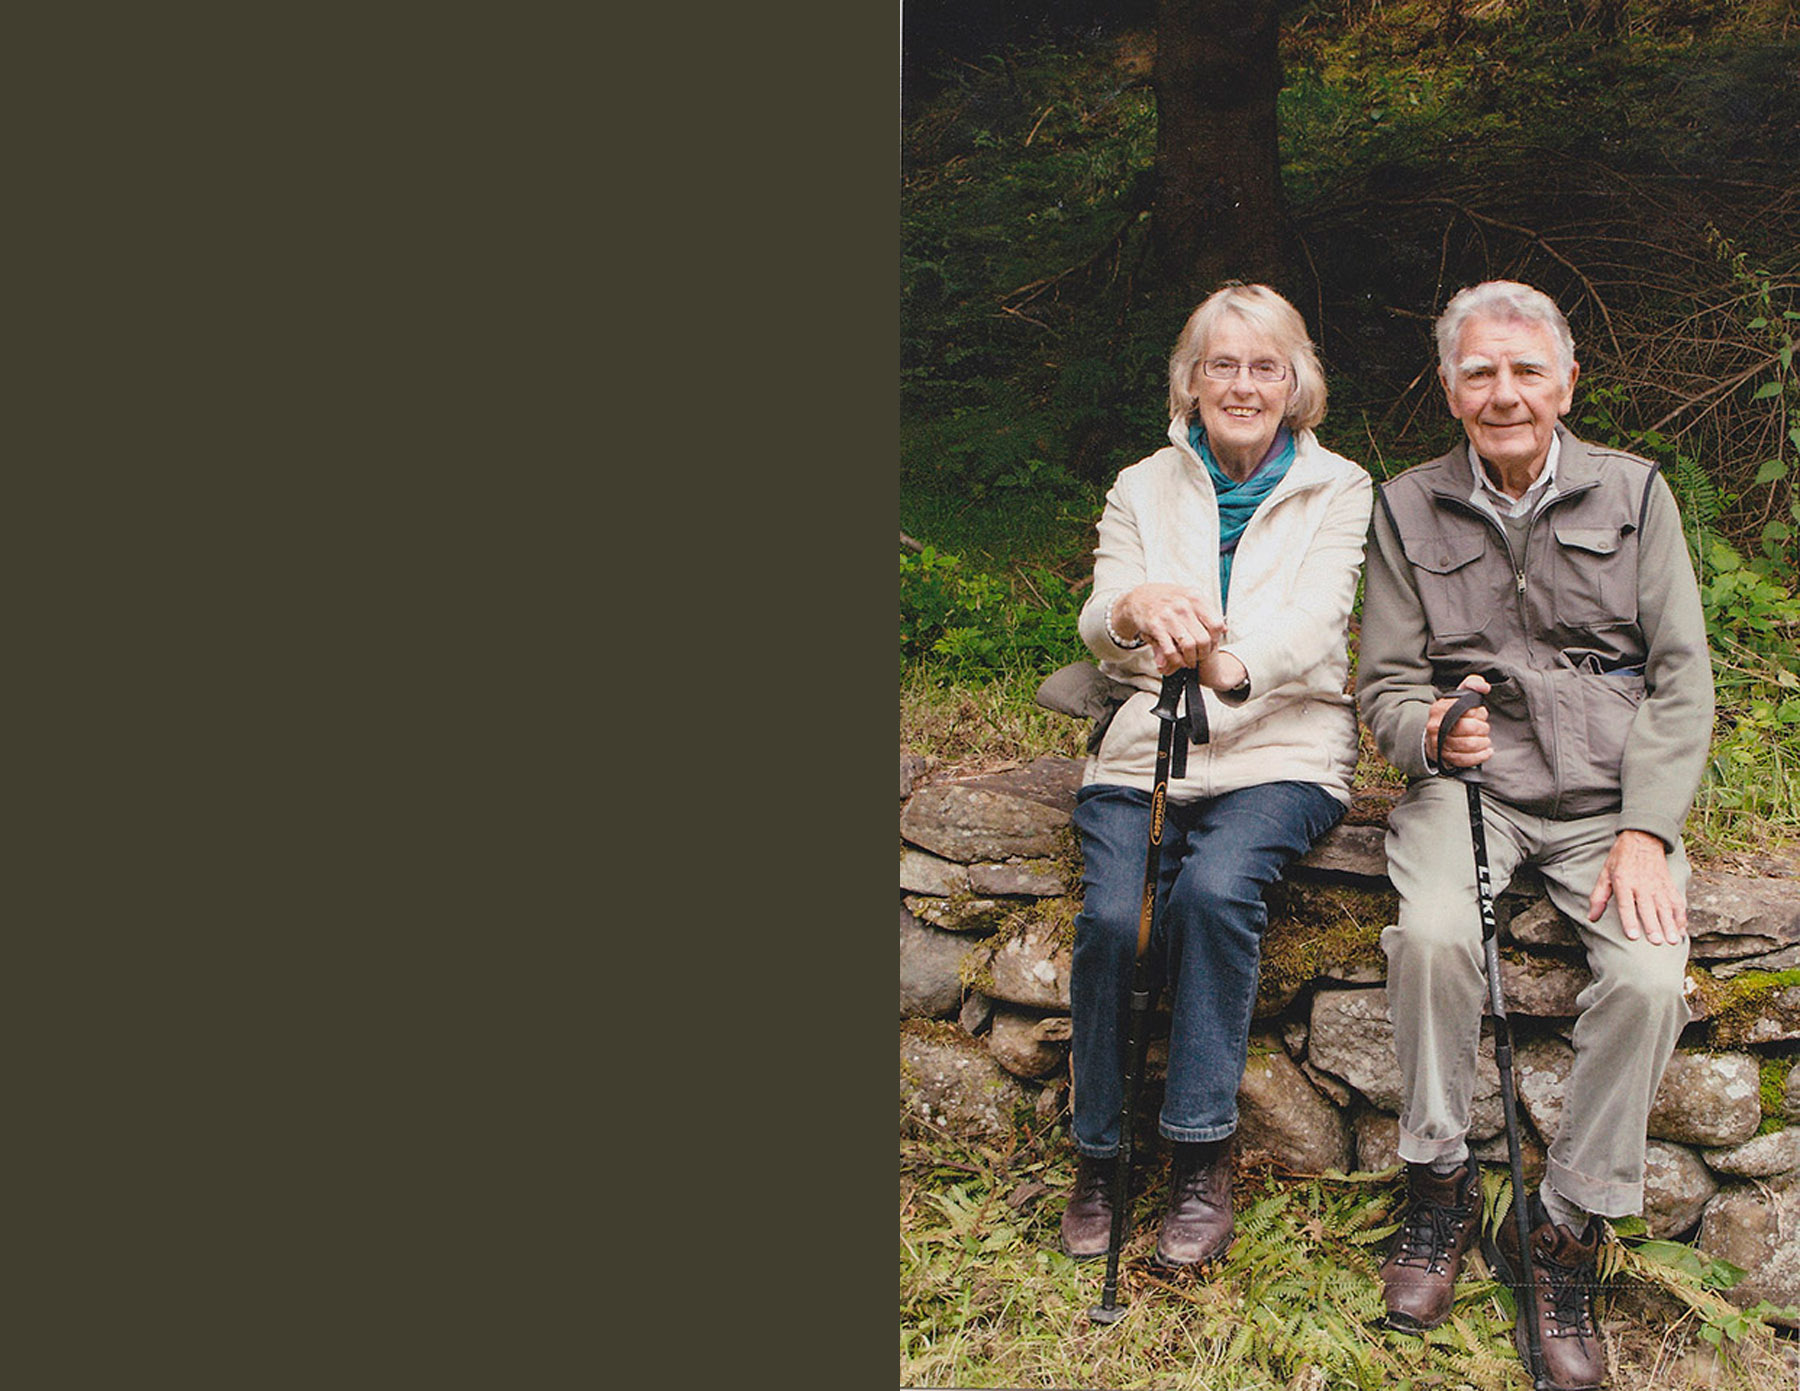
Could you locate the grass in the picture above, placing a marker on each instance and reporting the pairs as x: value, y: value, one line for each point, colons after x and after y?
x: 988, y: 1300
x: 966, y: 729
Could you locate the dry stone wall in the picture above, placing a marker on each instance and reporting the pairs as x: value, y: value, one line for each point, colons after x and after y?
x: 989, y: 877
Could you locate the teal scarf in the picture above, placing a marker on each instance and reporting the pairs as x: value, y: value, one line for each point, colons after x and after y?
x: 1238, y: 501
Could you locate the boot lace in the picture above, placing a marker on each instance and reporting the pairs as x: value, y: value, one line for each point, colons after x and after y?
x: 1571, y: 1310
x: 1205, y: 1181
x: 1093, y: 1182
x: 1192, y: 1185
x: 1427, y: 1234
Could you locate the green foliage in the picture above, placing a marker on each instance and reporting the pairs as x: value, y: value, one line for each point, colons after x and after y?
x: 1752, y: 782
x: 1695, y: 1279
x: 1698, y: 498
x: 1775, y: 322
x: 970, y: 625
x: 973, y: 446
x: 1022, y: 169
x: 988, y: 1299
x: 1035, y: 329
x: 977, y: 725
x: 1753, y: 773
x: 1705, y: 1272
x: 1743, y: 602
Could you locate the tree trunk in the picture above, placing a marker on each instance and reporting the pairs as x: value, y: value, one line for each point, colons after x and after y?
x: 1219, y: 212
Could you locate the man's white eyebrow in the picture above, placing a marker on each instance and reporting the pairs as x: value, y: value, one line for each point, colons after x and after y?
x: 1470, y: 364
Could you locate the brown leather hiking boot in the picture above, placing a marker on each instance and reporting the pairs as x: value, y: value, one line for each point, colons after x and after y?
x: 1087, y: 1220
x: 1443, y: 1214
x: 1564, y: 1270
x: 1197, y: 1227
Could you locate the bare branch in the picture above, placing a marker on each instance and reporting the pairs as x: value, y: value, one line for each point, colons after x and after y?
x: 1538, y: 239
x: 1720, y: 388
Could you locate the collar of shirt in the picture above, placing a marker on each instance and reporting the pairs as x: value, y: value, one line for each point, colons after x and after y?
x: 1494, y: 501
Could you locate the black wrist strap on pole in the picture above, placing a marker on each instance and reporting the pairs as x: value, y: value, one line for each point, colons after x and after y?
x: 1179, y: 687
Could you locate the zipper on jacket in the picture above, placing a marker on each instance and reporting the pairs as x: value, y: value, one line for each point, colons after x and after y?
x: 1514, y: 563
x: 1556, y: 763
x: 1518, y: 568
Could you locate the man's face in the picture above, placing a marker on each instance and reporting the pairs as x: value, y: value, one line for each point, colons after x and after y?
x: 1506, y: 388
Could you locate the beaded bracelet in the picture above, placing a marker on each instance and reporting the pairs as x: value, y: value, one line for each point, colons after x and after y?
x: 1118, y: 641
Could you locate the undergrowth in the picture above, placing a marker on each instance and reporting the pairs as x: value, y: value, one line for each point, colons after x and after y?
x: 1638, y: 175
x: 988, y: 1299
x: 981, y: 726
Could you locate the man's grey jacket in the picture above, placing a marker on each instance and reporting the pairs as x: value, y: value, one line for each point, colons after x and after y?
x: 1589, y: 624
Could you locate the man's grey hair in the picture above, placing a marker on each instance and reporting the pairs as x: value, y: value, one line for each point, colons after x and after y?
x: 1504, y: 300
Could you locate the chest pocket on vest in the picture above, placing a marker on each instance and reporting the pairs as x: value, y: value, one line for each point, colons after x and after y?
x: 1595, y: 585
x: 1458, y: 591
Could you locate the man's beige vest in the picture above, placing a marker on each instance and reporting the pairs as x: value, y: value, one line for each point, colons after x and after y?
x: 1554, y: 619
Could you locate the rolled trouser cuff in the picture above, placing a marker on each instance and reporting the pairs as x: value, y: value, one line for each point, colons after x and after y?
x: 1606, y: 1197
x: 1415, y: 1149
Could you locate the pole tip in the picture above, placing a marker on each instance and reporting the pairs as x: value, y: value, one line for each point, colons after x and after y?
x: 1107, y: 1313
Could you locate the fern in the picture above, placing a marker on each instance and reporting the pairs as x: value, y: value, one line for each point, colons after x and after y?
x: 1261, y: 1217
x: 986, y: 1299
x: 1698, y: 500
x: 1695, y: 493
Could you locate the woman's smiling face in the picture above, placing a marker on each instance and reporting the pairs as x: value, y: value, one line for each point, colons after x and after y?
x: 1240, y: 414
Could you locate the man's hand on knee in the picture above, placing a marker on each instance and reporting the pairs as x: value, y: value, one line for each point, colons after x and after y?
x: 1636, y: 874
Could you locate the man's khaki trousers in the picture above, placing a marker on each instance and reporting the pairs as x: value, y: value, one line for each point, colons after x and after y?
x: 1629, y: 1018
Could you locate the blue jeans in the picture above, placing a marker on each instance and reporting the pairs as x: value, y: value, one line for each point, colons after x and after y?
x: 1218, y: 856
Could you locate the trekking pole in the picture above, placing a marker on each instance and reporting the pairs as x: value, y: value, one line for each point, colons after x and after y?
x: 1171, y: 760
x: 1503, y: 1051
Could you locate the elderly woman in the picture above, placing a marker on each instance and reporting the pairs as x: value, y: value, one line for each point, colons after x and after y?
x: 1234, y: 549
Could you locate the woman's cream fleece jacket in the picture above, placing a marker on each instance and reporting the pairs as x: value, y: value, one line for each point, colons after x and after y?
x: 1293, y: 584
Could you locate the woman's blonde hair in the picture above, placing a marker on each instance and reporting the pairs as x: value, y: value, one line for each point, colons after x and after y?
x: 1266, y: 311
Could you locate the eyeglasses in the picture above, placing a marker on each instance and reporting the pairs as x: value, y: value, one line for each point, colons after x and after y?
x: 1225, y: 369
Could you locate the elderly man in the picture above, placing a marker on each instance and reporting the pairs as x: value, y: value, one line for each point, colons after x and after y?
x: 1551, y: 575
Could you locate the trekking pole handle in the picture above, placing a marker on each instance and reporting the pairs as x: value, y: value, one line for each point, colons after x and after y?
x: 1168, y: 704
x: 1184, y: 682
x: 1466, y: 701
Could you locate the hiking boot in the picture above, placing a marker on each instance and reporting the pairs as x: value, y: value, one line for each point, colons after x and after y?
x: 1087, y: 1220
x: 1443, y: 1214
x: 1197, y: 1227
x: 1565, y: 1272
